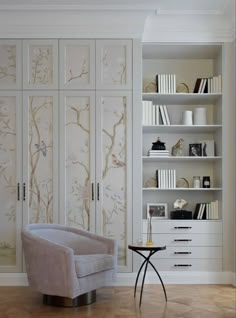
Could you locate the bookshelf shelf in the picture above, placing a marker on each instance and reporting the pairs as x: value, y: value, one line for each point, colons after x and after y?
x: 184, y: 189
x: 181, y: 129
x: 183, y: 98
x: 181, y: 159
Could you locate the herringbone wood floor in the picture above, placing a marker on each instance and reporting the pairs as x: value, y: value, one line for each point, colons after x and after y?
x: 184, y: 301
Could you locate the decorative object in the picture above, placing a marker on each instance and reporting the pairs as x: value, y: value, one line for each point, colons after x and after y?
x: 179, y: 213
x: 159, y: 210
x: 182, y: 183
x: 206, y: 182
x: 195, y: 150
x: 200, y: 116
x: 196, y: 182
x: 182, y: 88
x: 149, y: 87
x: 150, y: 183
x: 208, y: 148
x: 150, y: 213
x: 180, y: 203
x: 178, y: 149
x: 187, y: 118
x: 158, y: 145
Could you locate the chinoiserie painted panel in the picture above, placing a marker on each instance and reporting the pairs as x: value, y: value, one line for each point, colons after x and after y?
x: 77, y: 168
x: 10, y: 176
x: 40, y: 64
x: 40, y: 163
x: 77, y: 64
x: 113, y: 169
x: 10, y: 64
x: 113, y: 64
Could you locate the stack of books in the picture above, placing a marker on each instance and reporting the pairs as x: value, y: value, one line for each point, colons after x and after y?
x: 166, y: 178
x: 208, y: 85
x: 207, y: 211
x: 158, y: 153
x: 155, y: 114
x: 166, y: 83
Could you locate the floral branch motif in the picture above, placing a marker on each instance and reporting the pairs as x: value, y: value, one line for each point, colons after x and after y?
x: 80, y: 191
x: 119, y: 77
x: 9, y: 70
x: 42, y: 66
x: 84, y: 71
x: 112, y: 137
x: 34, y: 157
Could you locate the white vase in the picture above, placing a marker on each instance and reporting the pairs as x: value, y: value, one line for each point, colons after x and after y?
x: 200, y: 116
x: 187, y: 118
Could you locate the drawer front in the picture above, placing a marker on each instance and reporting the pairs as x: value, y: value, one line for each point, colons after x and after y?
x: 178, y: 226
x: 185, y: 239
x: 189, y: 252
x: 186, y: 265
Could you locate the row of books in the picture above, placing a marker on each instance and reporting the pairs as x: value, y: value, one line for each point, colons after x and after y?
x: 158, y: 153
x: 208, y: 85
x: 166, y: 83
x: 207, y: 211
x: 155, y: 114
x: 166, y: 178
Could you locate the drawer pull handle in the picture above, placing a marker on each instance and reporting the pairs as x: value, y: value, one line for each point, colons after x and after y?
x: 183, y: 265
x: 182, y: 252
x: 183, y: 240
x: 182, y: 227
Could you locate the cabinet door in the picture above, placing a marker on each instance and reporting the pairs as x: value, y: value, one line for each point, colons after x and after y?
x: 77, y: 62
x: 40, y: 169
x: 77, y: 154
x: 10, y: 64
x: 113, y: 170
x: 40, y: 64
x: 113, y: 64
x: 10, y: 181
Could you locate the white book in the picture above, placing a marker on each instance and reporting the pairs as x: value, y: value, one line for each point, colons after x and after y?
x: 169, y: 83
x: 200, y: 86
x: 174, y: 178
x: 174, y: 83
x: 216, y: 209
x: 208, y: 85
x: 214, y: 84
x: 162, y: 83
x: 169, y: 179
x: 203, y: 85
x: 202, y: 210
x: 160, y: 178
x: 150, y: 112
x: 153, y: 115
x: 157, y: 114
x: 166, y: 114
x: 163, y: 115
x: 144, y: 113
x: 220, y: 84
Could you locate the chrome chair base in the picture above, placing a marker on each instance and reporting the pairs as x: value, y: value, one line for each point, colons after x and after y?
x: 85, y: 299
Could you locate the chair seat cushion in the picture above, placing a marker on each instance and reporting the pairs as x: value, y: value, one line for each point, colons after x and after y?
x: 89, y: 264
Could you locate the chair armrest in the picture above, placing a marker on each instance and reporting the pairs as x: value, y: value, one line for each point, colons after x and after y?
x: 50, y: 267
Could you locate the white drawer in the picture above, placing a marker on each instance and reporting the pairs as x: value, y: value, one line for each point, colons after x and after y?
x: 178, y: 226
x: 186, y: 265
x: 189, y: 252
x: 185, y: 239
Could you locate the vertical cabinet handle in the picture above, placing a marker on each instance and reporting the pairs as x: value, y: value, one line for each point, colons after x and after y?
x: 92, y: 191
x: 18, y: 191
x: 24, y: 191
x: 98, y: 191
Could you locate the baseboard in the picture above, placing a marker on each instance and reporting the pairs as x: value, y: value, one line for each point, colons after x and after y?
x: 128, y: 279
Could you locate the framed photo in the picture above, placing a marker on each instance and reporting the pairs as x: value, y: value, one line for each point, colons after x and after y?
x: 157, y: 210
x: 195, y: 150
x: 208, y: 148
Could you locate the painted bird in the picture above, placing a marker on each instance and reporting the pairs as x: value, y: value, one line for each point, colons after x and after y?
x: 116, y: 162
x: 42, y: 148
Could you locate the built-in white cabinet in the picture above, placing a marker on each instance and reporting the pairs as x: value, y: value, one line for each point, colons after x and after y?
x: 180, y: 66
x: 95, y: 147
x: 66, y: 140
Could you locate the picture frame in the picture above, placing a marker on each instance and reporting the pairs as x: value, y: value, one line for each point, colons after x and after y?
x: 159, y: 210
x: 195, y: 150
x: 208, y: 148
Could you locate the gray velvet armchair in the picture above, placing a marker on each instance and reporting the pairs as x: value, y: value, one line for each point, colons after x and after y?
x: 67, y: 265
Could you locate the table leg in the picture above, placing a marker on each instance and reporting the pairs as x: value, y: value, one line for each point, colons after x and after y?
x: 144, y: 275
x: 159, y: 278
x: 136, y: 282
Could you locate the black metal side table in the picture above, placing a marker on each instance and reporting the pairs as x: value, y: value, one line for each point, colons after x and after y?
x: 152, y: 250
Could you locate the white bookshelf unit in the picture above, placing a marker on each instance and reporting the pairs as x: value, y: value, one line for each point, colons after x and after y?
x: 188, y: 247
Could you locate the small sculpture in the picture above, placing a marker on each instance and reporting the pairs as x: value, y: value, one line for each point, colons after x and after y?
x: 178, y: 149
x: 179, y: 204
